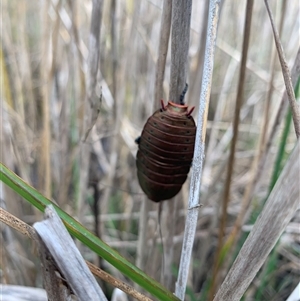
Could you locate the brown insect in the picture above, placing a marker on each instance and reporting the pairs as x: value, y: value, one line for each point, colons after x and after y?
x: 165, y: 152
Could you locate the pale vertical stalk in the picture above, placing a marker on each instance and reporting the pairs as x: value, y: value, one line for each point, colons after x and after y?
x: 26, y: 72
x: 276, y: 122
x: 90, y: 103
x: 142, y: 240
x: 159, y: 79
x: 181, y: 20
x: 254, y: 171
x: 271, y: 82
x: 45, y: 167
x: 214, y: 133
x: 118, y: 110
x: 68, y: 153
x: 194, y: 196
x: 286, y: 75
x: 114, y: 53
x: 163, y: 49
x: 231, y: 161
x: 196, y: 78
x: 166, y: 19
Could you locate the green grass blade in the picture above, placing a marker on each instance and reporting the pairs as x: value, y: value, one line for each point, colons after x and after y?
x: 280, y: 158
x: 86, y: 237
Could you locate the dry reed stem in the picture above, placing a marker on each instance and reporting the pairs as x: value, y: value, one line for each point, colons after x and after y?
x: 277, y: 213
x: 12, y: 67
x: 278, y: 118
x: 270, y: 85
x: 254, y: 170
x: 26, y: 72
x: 239, y: 102
x: 55, y: 286
x: 180, y: 37
x: 142, y: 238
x: 54, y: 235
x: 114, y: 48
x: 196, y: 76
x: 193, y: 206
x: 160, y: 71
x: 45, y: 165
x: 91, y: 102
x: 162, y: 49
x: 214, y: 133
x: 23, y: 228
x: 180, y: 41
x: 286, y: 74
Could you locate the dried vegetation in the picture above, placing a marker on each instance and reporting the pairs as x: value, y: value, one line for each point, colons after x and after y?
x: 48, y: 84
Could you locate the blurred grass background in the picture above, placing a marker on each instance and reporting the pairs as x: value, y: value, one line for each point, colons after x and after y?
x: 44, y: 52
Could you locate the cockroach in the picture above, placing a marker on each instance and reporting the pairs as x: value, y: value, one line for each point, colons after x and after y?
x: 166, y: 148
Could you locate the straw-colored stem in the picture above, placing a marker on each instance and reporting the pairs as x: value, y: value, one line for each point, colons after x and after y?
x: 239, y: 102
x: 249, y: 191
x: 162, y: 50
x: 30, y: 232
x: 194, y: 195
x: 286, y: 75
x: 180, y: 41
x: 45, y: 166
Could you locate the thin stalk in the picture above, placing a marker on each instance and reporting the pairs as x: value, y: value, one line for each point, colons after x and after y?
x: 45, y: 166
x: 278, y: 118
x: 163, y: 49
x: 181, y: 20
x: 239, y: 102
x: 285, y: 134
x: 249, y: 191
x: 197, y: 76
x: 286, y: 75
x: 271, y: 82
x: 91, y: 108
x: 159, y: 79
x: 194, y: 196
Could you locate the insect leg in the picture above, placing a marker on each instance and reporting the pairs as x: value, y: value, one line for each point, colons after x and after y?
x: 138, y: 140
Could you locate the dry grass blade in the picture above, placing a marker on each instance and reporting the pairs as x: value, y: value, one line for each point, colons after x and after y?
x: 29, y: 231
x: 193, y: 206
x: 258, y: 166
x: 278, y: 118
x: 239, y: 102
x: 57, y: 289
x: 278, y: 211
x: 286, y: 74
x: 67, y: 257
x: 12, y: 292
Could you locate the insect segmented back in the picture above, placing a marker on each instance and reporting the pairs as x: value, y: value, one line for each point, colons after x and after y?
x: 166, y: 149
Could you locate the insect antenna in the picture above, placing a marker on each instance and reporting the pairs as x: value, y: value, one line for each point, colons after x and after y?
x: 182, y: 95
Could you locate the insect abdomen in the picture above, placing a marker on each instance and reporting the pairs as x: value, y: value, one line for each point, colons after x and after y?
x: 165, y: 152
